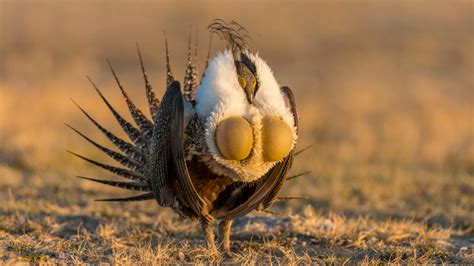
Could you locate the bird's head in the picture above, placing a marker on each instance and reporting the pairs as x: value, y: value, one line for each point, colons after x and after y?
x: 247, y: 76
x: 249, y: 126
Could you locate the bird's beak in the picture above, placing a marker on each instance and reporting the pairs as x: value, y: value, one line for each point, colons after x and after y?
x: 250, y: 94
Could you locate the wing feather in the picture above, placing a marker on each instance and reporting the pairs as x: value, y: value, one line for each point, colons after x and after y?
x: 167, y: 168
x: 263, y: 189
x: 185, y: 185
x: 290, y: 97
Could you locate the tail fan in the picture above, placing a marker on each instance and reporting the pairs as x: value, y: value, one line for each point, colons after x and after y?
x: 303, y: 150
x: 133, y: 158
x: 133, y: 133
x: 290, y: 198
x: 123, y: 160
x: 125, y: 173
x: 130, y: 150
x: 142, y: 122
x: 136, y: 186
x: 207, y: 59
x: 169, y: 74
x: 153, y: 102
x: 298, y: 175
x: 142, y: 197
x: 190, y: 75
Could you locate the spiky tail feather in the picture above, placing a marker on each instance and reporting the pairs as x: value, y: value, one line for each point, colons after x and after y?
x: 190, y: 75
x: 137, y: 186
x: 133, y: 133
x: 153, y: 102
x: 133, y: 157
x: 298, y: 175
x: 169, y: 74
x: 142, y: 122
x: 142, y: 197
x: 303, y: 150
x: 129, y: 149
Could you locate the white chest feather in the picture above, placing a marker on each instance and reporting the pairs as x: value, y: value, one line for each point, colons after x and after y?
x: 220, y: 96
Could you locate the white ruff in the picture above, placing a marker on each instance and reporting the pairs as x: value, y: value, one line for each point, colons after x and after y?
x: 220, y: 96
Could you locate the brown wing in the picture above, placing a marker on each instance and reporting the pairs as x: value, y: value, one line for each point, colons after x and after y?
x: 254, y: 193
x: 243, y: 198
x: 167, y: 170
x: 291, y: 100
x: 185, y: 188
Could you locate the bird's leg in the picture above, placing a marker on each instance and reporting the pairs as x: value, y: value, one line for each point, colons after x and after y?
x: 224, y: 234
x: 207, y: 228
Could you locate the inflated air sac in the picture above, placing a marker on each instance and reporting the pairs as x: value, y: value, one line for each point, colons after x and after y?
x: 234, y: 138
x: 277, y: 139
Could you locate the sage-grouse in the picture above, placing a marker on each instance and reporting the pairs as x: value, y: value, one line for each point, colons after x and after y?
x: 217, y: 151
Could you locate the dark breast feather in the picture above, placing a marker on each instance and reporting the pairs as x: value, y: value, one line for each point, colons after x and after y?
x: 246, y: 197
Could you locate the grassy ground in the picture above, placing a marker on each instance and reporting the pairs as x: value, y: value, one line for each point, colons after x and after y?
x: 67, y: 228
x: 385, y: 93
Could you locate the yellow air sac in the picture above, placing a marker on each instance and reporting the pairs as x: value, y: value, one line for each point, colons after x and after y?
x: 234, y: 138
x: 277, y: 139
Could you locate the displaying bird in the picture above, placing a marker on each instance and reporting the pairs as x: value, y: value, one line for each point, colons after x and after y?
x: 214, y: 152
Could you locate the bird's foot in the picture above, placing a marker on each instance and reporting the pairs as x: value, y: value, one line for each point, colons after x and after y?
x: 211, y: 245
x: 224, y: 236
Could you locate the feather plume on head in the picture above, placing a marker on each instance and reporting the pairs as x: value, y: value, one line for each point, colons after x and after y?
x: 234, y: 34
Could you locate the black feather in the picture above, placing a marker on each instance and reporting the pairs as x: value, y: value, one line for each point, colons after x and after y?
x: 233, y: 33
x: 153, y: 102
x: 303, y: 150
x: 190, y: 75
x: 123, y: 160
x: 298, y: 175
x: 126, y: 147
x: 169, y: 74
x: 142, y: 197
x: 142, y: 122
x: 125, y: 173
x: 207, y: 59
x: 290, y: 198
x: 125, y: 185
x: 133, y: 133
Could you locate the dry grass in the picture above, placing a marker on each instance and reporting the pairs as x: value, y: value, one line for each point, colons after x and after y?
x: 69, y: 229
x: 384, y: 89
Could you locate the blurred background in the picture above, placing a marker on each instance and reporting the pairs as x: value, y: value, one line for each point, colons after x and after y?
x: 384, y: 90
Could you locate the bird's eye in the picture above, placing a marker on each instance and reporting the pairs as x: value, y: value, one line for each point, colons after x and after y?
x: 242, y: 82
